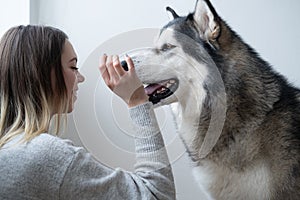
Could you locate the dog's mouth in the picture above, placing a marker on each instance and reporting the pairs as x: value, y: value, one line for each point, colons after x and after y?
x: 161, y: 90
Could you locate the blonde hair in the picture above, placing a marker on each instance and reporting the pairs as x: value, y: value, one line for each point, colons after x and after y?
x: 28, y: 97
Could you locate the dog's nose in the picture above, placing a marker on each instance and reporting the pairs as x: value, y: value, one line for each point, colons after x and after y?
x: 124, y: 65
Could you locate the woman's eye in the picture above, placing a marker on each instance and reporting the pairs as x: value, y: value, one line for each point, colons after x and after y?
x: 74, y: 68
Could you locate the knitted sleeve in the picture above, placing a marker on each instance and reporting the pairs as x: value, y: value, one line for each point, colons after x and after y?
x: 86, y: 178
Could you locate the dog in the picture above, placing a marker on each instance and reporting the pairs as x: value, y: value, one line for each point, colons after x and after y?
x: 237, y: 117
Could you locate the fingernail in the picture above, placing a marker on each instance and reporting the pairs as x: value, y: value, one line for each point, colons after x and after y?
x: 115, y: 58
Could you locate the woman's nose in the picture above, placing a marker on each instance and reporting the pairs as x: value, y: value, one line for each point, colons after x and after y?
x: 80, y: 77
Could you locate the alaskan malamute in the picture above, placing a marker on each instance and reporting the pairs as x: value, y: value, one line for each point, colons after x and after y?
x: 238, y: 118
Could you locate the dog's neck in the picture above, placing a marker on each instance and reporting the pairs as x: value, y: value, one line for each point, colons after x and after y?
x: 199, y: 126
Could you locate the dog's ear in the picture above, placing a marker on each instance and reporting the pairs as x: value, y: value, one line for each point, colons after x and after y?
x: 207, y: 20
x: 173, y: 14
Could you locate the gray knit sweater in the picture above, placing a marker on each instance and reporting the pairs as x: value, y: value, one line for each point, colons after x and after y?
x: 51, y: 168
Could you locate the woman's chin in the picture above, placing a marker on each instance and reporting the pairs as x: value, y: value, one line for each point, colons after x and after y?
x: 71, y: 106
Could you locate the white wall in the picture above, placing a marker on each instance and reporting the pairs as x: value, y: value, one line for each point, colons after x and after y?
x: 98, y: 26
x: 12, y: 13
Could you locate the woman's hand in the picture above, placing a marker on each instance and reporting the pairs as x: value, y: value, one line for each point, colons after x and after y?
x: 123, y: 83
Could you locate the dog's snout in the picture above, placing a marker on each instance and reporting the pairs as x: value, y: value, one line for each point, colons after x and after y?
x: 124, y: 65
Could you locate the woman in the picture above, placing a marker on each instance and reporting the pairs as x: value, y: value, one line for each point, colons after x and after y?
x: 39, y: 79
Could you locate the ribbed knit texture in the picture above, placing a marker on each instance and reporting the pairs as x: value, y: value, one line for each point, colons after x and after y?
x: 49, y: 168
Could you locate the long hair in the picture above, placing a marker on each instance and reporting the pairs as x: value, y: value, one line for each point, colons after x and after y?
x: 29, y: 57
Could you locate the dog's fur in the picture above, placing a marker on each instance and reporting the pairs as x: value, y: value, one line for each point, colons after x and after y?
x: 226, y: 90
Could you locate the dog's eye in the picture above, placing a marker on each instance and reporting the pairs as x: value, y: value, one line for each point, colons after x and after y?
x: 167, y: 47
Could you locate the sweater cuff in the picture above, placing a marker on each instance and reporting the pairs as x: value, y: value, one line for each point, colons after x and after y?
x: 150, y: 146
x: 143, y: 115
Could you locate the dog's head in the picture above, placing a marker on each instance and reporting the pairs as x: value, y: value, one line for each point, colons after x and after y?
x: 179, y: 66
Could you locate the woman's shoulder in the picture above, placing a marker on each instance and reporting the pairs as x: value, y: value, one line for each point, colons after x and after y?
x: 45, y: 156
x: 55, y: 153
x: 53, y: 145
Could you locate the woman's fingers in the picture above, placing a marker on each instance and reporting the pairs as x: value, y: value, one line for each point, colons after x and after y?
x: 129, y: 62
x: 123, y: 83
x: 103, y: 68
x: 117, y: 65
x: 110, y: 67
x: 111, y: 70
x: 114, y: 76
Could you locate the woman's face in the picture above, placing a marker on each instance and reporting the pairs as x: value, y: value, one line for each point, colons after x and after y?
x: 71, y: 74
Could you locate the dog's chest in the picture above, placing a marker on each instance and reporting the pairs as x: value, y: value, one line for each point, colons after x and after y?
x: 221, y: 183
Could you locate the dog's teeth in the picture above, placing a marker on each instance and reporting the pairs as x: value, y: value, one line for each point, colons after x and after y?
x: 172, y: 81
x: 169, y: 85
x: 161, y: 90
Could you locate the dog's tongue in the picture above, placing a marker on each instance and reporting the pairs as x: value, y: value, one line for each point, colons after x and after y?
x: 150, y: 89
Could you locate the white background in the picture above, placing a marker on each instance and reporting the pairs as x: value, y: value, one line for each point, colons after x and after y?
x: 271, y: 27
x: 13, y: 12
